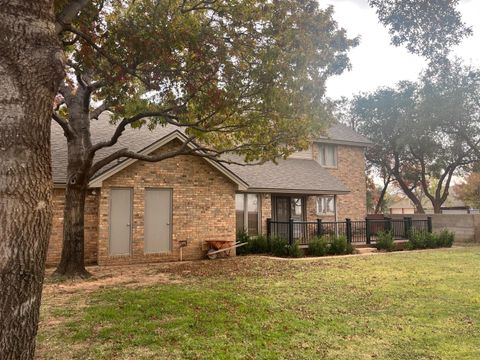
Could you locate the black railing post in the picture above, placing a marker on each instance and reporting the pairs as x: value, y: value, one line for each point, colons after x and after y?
x: 429, y: 224
x: 367, y: 231
x: 388, y: 224
x: 319, y: 227
x: 407, y: 224
x: 349, y: 230
x: 290, y: 231
x: 269, y: 230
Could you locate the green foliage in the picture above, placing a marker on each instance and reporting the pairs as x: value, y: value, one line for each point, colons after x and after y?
x: 385, y: 241
x: 339, y: 246
x: 281, y: 248
x: 426, y: 240
x: 255, y: 244
x: 425, y: 27
x: 252, y: 73
x: 318, y: 247
x: 294, y: 250
x: 445, y: 238
x: 329, y: 245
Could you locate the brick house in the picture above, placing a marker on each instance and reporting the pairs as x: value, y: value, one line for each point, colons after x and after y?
x: 141, y: 212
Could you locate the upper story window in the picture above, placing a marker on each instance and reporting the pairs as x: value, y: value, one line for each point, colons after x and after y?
x: 325, y: 205
x: 327, y: 155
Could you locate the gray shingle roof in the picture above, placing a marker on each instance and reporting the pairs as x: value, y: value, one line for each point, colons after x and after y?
x: 344, y: 134
x: 290, y: 174
x: 134, y: 139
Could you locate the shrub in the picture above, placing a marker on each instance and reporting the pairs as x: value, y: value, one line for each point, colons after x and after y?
x: 338, y: 246
x: 258, y: 245
x: 281, y: 248
x: 318, y: 247
x: 425, y: 240
x: 445, y: 238
x: 255, y: 245
x: 385, y: 241
x: 243, y: 237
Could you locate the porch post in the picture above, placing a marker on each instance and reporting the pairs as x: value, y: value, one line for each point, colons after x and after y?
x: 290, y: 231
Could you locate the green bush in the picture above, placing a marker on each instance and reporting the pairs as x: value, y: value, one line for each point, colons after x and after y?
x: 294, y: 250
x: 385, y: 241
x: 255, y: 245
x: 445, y: 238
x: 426, y: 240
x: 318, y: 247
x: 329, y: 245
x: 243, y: 237
x: 338, y: 246
x: 281, y: 248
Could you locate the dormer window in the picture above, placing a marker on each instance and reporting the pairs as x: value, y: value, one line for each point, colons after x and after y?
x: 327, y: 155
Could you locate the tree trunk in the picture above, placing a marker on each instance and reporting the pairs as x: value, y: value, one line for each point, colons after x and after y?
x: 378, y: 207
x: 30, y: 72
x: 72, y: 263
x: 437, y: 207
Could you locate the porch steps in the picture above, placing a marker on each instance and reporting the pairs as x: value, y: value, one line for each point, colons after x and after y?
x: 365, y: 250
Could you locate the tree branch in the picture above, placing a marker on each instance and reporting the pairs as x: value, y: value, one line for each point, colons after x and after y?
x: 69, y: 12
x: 95, y: 113
x: 67, y: 129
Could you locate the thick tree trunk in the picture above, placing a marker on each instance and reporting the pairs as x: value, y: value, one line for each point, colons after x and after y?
x: 437, y: 207
x: 72, y: 263
x: 30, y: 72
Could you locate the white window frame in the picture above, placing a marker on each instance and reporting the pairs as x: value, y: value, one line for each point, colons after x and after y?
x: 321, y: 202
x: 245, y: 211
x: 322, y: 155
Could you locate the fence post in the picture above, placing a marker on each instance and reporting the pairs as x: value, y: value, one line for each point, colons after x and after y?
x: 349, y: 230
x: 319, y: 227
x: 407, y: 224
x: 429, y: 224
x: 388, y: 225
x: 269, y: 231
x: 290, y: 231
x: 367, y: 231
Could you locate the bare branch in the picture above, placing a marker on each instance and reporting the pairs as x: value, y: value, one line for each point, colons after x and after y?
x: 67, y: 129
x: 69, y: 12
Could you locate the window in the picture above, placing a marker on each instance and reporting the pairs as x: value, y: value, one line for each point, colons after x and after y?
x: 327, y: 155
x: 325, y: 205
x: 247, y: 220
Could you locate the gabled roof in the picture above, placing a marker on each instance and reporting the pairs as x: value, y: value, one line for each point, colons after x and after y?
x: 291, y: 175
x: 140, y: 140
x: 342, y: 134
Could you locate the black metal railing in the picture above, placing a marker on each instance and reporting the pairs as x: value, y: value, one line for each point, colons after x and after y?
x: 356, y: 232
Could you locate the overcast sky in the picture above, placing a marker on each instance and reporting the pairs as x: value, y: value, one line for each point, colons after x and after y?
x: 375, y: 62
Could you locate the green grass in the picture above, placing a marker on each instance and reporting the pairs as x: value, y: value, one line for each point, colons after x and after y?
x: 411, y: 305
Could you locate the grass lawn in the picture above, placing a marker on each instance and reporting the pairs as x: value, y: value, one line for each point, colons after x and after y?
x: 410, y: 305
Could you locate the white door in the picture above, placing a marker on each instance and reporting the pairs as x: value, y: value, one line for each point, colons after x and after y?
x: 157, y: 226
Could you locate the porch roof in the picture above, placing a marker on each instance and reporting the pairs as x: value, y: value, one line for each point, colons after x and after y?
x: 289, y: 176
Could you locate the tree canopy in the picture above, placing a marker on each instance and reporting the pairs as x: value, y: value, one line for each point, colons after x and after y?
x: 426, y: 132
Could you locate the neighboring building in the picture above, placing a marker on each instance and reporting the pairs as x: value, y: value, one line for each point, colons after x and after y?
x: 141, y: 212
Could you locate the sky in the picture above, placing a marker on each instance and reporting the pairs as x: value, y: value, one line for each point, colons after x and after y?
x: 375, y: 62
